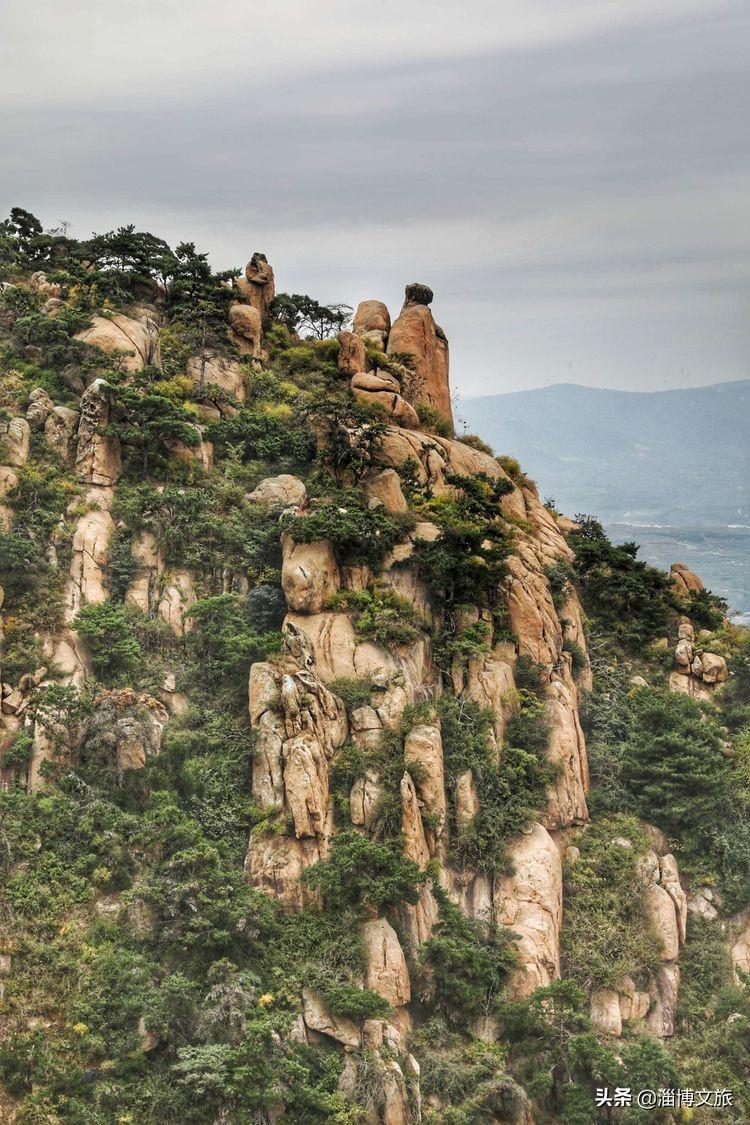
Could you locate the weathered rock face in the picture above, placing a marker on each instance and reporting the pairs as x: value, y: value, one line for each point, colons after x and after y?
x: 372, y: 322
x: 665, y: 905
x: 567, y: 751
x: 177, y: 599
x: 318, y: 1018
x: 87, y: 584
x: 136, y: 339
x: 98, y: 458
x: 246, y: 328
x: 385, y: 965
x: 683, y: 580
x: 257, y: 286
x: 218, y: 371
x: 309, y: 575
x: 352, y: 354
x: 15, y: 439
x: 60, y: 429
x: 740, y: 944
x: 416, y: 334
x: 529, y: 903
x: 389, y: 401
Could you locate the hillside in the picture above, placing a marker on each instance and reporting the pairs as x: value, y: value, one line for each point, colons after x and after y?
x: 341, y: 779
x: 641, y: 462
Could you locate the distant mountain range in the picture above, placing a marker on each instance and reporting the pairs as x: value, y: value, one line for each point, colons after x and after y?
x: 670, y: 469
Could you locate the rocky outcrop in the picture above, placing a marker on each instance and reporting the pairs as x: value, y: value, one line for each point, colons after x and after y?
x: 529, y: 902
x: 60, y: 428
x: 318, y: 1018
x: 352, y: 354
x: 128, y: 725
x: 385, y: 965
x: 257, y: 285
x: 415, y: 334
x: 15, y: 442
x: 245, y: 328
x: 94, y: 529
x: 283, y: 491
x: 309, y: 575
x: 135, y: 339
x: 212, y: 370
x: 177, y: 599
x: 683, y: 580
x: 98, y: 460
x: 696, y: 672
x: 372, y: 322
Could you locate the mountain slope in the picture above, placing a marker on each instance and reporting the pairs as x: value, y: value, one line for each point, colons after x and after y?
x: 341, y: 781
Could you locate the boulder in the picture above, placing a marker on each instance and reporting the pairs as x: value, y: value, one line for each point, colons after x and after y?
x: 714, y: 668
x: 416, y: 334
x: 385, y: 965
x: 15, y: 442
x: 136, y: 339
x: 245, y: 328
x: 372, y: 321
x: 309, y: 575
x: 352, y: 353
x: 683, y: 580
x: 319, y: 1018
x: 374, y: 381
x: 283, y: 491
x: 38, y: 410
x: 393, y: 404
x: 385, y: 486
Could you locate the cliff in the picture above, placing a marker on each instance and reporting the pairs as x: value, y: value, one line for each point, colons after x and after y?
x: 299, y: 819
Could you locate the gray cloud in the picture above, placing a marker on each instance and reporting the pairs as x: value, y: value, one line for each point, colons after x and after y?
x: 573, y: 183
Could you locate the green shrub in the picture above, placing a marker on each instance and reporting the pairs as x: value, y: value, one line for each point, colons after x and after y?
x: 360, y: 535
x: 108, y: 632
x: 381, y: 615
x: 465, y: 965
x: 606, y: 933
x: 225, y: 644
x: 361, y: 873
x: 625, y: 597
x: 673, y: 765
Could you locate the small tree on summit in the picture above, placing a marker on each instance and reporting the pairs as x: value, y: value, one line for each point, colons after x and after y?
x: 302, y: 314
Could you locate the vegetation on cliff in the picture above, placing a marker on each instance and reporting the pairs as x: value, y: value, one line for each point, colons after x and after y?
x: 157, y: 968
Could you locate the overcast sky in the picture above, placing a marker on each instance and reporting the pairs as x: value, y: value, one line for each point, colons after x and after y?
x: 572, y: 177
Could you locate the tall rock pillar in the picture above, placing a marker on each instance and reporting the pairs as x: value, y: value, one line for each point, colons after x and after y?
x: 415, y: 333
